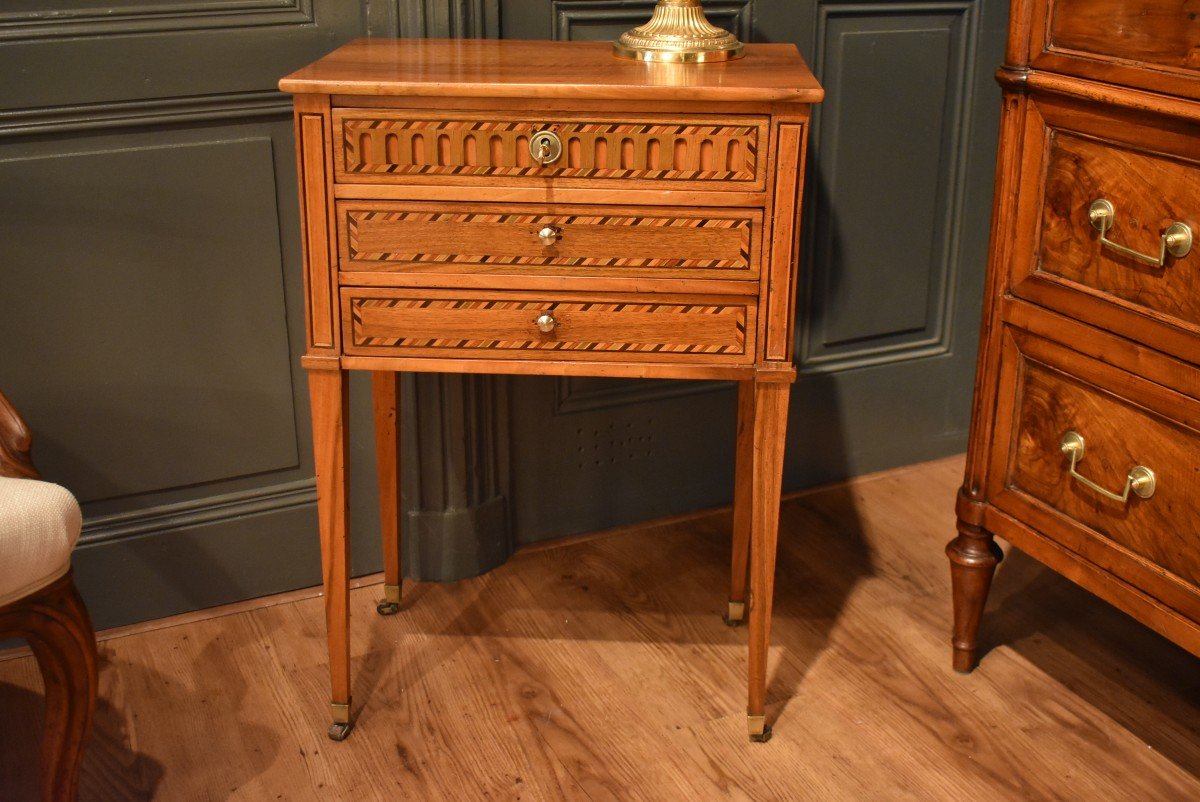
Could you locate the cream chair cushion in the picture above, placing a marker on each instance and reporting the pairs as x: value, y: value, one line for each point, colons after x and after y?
x: 39, y: 524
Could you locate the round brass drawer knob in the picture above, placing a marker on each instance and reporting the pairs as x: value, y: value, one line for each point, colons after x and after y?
x: 549, y: 235
x: 546, y: 322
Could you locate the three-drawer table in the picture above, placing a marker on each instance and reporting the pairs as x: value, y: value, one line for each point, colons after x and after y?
x: 546, y: 208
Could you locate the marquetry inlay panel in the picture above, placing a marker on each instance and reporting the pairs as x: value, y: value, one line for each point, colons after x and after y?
x: 583, y: 326
x: 593, y: 238
x: 716, y: 151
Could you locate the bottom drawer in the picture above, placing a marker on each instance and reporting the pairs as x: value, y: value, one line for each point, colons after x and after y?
x: 519, y: 325
x: 1132, y: 437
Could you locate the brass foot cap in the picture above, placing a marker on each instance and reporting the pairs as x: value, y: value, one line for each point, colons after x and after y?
x: 390, y: 605
x: 737, y: 612
x: 762, y: 737
x: 342, y: 724
x: 760, y: 731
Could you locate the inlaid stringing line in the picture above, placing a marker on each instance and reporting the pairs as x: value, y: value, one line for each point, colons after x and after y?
x: 357, y: 306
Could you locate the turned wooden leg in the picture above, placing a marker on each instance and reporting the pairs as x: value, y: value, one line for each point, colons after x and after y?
x: 59, y: 630
x: 330, y: 397
x: 385, y: 393
x: 974, y: 556
x: 769, y: 432
x: 742, y: 513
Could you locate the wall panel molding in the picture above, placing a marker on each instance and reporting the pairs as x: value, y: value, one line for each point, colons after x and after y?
x: 209, y: 510
x: 914, y: 321
x: 168, y: 111
x: 63, y: 18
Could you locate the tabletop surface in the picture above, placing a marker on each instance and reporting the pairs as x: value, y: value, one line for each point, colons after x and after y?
x: 549, y: 69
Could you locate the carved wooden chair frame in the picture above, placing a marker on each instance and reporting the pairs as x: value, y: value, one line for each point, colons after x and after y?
x: 56, y: 624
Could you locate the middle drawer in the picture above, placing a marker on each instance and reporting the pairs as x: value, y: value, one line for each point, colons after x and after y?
x: 666, y: 242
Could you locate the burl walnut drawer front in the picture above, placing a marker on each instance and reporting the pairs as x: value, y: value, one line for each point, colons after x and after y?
x: 1153, y: 44
x: 718, y: 154
x: 1096, y: 457
x: 1112, y: 210
x: 590, y: 240
x: 380, y: 322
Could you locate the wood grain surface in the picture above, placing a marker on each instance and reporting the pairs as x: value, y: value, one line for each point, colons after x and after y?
x: 1126, y: 420
x: 717, y: 153
x: 1149, y: 44
x: 1161, y: 32
x: 601, y: 670
x: 658, y: 328
x: 1149, y: 193
x: 483, y: 68
x: 589, y: 240
x: 1100, y: 102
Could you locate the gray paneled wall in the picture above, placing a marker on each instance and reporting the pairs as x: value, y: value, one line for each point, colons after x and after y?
x: 151, y: 309
x: 151, y: 306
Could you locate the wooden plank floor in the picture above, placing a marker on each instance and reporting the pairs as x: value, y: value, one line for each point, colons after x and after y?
x: 601, y: 670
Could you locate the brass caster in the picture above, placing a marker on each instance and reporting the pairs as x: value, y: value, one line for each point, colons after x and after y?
x: 386, y: 607
x: 338, y: 731
x: 762, y: 737
x: 390, y: 604
x: 737, y: 611
x: 760, y: 730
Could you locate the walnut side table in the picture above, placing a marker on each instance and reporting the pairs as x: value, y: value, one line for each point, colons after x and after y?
x: 545, y: 208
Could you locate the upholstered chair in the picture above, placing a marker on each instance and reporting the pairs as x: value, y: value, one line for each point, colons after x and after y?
x: 39, y: 524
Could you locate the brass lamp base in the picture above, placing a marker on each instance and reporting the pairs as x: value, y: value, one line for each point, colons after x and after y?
x: 678, y: 32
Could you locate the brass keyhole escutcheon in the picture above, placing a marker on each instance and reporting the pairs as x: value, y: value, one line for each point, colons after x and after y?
x: 545, y: 147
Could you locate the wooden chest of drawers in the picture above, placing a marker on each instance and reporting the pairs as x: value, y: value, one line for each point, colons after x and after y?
x: 1085, y: 439
x: 542, y: 207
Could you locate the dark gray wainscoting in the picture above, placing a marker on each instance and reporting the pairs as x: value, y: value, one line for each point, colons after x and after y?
x: 151, y: 312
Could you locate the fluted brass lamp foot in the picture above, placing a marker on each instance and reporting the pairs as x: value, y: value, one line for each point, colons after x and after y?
x: 678, y: 31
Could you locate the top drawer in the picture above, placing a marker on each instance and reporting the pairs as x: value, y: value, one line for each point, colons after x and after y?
x: 1151, y: 44
x: 711, y: 153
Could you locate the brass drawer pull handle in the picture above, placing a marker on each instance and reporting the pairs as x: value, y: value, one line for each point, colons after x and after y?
x: 1176, y: 240
x: 1141, y: 480
x: 549, y: 235
x: 545, y: 147
x: 546, y: 322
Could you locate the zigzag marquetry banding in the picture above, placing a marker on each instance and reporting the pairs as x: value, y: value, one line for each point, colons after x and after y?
x: 357, y: 218
x: 673, y: 317
x: 685, y: 152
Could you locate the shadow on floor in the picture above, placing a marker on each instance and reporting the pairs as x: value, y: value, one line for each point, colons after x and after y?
x: 111, y: 769
x: 1116, y: 664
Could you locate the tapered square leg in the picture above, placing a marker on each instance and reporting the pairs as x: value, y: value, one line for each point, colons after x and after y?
x: 770, y: 428
x: 742, y: 513
x: 385, y: 394
x: 329, y: 394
